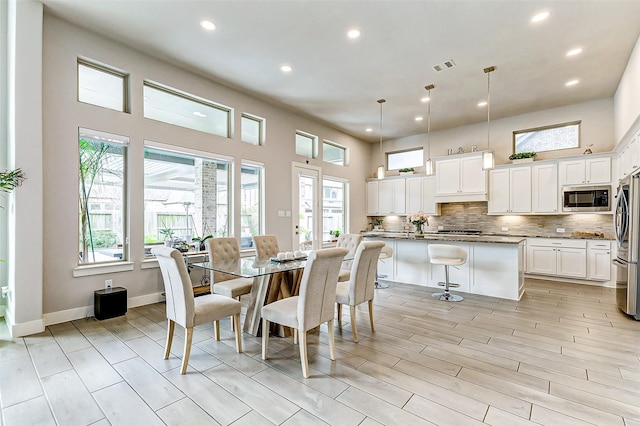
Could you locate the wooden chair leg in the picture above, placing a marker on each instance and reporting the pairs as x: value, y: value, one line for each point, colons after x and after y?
x: 236, y: 323
x: 265, y: 338
x: 332, y: 340
x: 295, y: 336
x: 339, y: 315
x: 167, y: 348
x: 303, y: 353
x: 354, y: 328
x: 187, y: 349
x: 371, y: 315
x: 216, y: 329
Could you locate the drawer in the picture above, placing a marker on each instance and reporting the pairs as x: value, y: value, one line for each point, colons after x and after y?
x: 599, y: 245
x: 557, y: 242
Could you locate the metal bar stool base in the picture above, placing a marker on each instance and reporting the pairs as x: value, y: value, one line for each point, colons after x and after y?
x: 447, y: 297
x: 381, y: 285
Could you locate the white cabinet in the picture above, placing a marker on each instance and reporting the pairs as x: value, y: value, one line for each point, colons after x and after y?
x: 391, y: 196
x: 599, y: 260
x: 413, y: 197
x: 585, y: 171
x: 461, y: 178
x: 372, y: 198
x: 544, y: 188
x: 429, y: 204
x: 411, y: 261
x: 557, y: 257
x: 510, y: 190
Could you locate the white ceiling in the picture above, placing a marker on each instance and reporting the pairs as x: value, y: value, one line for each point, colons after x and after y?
x: 338, y: 80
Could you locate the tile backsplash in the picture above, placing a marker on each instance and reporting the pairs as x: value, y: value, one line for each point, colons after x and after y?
x: 474, y: 216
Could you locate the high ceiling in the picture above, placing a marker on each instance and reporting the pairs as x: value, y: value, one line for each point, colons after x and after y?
x: 338, y: 80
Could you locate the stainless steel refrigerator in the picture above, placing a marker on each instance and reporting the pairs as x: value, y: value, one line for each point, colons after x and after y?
x: 626, y: 223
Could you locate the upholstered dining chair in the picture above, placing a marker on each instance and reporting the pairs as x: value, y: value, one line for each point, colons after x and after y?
x: 185, y: 309
x: 222, y: 250
x: 350, y: 242
x: 312, y: 307
x: 361, y: 285
x: 266, y: 246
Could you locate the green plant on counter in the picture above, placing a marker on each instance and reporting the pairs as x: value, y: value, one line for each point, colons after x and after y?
x: 521, y: 155
x: 406, y: 170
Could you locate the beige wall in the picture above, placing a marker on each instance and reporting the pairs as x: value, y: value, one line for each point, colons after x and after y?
x: 63, y: 43
x: 627, y: 99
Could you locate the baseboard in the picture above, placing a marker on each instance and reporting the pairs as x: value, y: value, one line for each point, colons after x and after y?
x: 608, y: 284
x: 87, y: 311
x: 24, y: 328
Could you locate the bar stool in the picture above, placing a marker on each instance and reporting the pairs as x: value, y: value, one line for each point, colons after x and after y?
x: 385, y: 253
x: 447, y: 255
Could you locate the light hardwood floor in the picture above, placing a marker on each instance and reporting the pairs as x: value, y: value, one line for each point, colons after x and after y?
x: 563, y: 355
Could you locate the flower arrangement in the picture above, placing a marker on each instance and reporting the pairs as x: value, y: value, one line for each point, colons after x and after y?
x: 418, y: 218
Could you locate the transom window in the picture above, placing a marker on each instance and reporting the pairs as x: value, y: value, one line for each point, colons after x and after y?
x: 548, y: 138
x: 405, y: 159
x: 252, y: 129
x: 182, y: 109
x: 102, y: 86
x: 305, y: 144
x: 334, y: 153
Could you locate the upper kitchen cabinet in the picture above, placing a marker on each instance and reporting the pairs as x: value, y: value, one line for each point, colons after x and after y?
x: 544, y: 189
x: 421, y: 195
x: 461, y: 178
x: 391, y: 197
x: 585, y: 171
x: 510, y: 190
x: 372, y: 197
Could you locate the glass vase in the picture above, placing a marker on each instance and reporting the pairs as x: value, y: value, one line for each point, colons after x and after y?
x: 418, y: 230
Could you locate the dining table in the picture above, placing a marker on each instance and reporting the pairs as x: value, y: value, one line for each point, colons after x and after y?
x: 273, y: 279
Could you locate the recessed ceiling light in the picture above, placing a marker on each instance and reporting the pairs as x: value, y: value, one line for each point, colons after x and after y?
x: 207, y: 25
x: 286, y: 68
x: 369, y: 129
x: 572, y: 82
x: 418, y: 118
x: 482, y: 103
x: 538, y: 17
x: 354, y: 33
x: 574, y: 52
x: 199, y: 114
x: 424, y: 100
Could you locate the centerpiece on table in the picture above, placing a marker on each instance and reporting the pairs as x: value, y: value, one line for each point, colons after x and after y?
x: 418, y: 219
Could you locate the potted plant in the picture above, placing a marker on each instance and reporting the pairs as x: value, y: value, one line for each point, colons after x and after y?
x: 335, y: 234
x: 522, y: 157
x: 406, y: 171
x: 167, y: 233
x: 201, y: 241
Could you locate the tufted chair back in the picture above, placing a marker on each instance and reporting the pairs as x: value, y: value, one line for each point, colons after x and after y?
x: 177, y: 286
x: 266, y: 246
x: 350, y: 242
x: 222, y: 249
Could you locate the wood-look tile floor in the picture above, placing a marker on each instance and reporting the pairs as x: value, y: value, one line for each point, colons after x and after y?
x: 563, y: 355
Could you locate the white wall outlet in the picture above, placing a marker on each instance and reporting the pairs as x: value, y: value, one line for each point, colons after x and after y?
x: 559, y: 230
x: 504, y: 229
x: 108, y: 284
x: 280, y: 213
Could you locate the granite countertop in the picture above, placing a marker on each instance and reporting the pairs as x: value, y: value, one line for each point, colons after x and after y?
x: 482, y: 238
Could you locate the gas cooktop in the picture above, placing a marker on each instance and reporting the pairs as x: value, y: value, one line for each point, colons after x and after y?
x: 460, y: 231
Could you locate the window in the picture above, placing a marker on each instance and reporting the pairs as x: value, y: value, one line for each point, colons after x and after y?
x: 251, y: 203
x: 185, y: 110
x: 252, y: 129
x: 305, y: 144
x: 185, y: 196
x: 549, y: 138
x: 334, y: 153
x: 334, y: 196
x: 101, y: 86
x: 405, y: 159
x: 102, y: 206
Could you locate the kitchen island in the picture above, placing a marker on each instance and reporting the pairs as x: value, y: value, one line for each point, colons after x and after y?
x: 495, y: 266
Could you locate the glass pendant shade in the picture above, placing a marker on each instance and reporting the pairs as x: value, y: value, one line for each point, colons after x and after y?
x: 380, y: 174
x: 429, y: 167
x: 488, y: 160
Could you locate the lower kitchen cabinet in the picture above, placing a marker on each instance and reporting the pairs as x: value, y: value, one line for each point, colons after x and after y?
x: 411, y: 256
x: 599, y: 260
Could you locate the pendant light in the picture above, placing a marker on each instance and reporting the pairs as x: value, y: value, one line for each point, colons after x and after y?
x: 381, y: 166
x: 488, y: 159
x: 429, y: 170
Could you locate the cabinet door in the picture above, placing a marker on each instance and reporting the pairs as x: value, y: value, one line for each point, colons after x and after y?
x: 634, y: 152
x: 472, y: 178
x: 571, y: 262
x: 598, y: 170
x: 448, y: 176
x: 520, y: 191
x: 372, y: 198
x: 499, y: 191
x: 545, y: 188
x: 414, y: 195
x: 411, y: 262
x: 385, y: 197
x: 429, y: 205
x: 572, y: 172
x: 541, y: 260
x: 599, y: 262
x: 399, y: 196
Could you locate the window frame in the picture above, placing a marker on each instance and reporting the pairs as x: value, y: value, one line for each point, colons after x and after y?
x: 345, y: 152
x: 345, y: 205
x: 107, y: 70
x: 388, y: 154
x: 262, y: 128
x: 261, y: 196
x: 577, y: 123
x: 314, y: 143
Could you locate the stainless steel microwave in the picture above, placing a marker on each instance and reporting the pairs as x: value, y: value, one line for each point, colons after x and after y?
x: 586, y: 198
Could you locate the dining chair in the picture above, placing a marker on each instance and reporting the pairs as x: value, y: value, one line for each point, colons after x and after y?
x: 361, y: 285
x: 266, y: 246
x: 350, y: 242
x: 226, y: 249
x: 312, y: 307
x: 185, y: 309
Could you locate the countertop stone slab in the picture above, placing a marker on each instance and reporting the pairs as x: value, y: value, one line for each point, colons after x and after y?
x: 482, y: 238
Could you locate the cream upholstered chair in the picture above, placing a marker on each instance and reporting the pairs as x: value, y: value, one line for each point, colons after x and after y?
x: 266, y: 246
x: 447, y: 255
x: 360, y: 287
x: 350, y: 242
x: 312, y: 307
x: 225, y: 250
x: 188, y: 311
